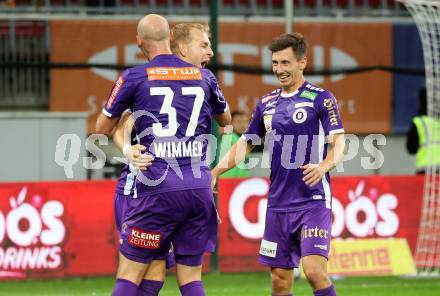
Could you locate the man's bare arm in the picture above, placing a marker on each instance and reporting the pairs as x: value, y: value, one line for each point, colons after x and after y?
x: 223, y: 119
x: 234, y: 156
x: 313, y: 173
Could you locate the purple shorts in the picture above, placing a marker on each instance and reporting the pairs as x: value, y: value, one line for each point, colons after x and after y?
x: 185, y: 218
x: 121, y: 203
x: 289, y: 236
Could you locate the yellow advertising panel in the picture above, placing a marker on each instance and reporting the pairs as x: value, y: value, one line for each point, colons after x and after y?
x: 371, y: 257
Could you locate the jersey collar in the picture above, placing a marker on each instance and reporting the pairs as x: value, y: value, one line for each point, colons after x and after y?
x: 289, y: 95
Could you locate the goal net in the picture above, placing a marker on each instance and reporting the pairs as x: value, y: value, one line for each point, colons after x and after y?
x: 426, y: 14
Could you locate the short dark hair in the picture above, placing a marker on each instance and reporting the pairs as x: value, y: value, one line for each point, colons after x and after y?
x: 295, y: 41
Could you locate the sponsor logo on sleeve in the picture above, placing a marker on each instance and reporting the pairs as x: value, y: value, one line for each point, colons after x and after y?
x: 331, y: 110
x: 268, y: 98
x: 308, y: 95
x: 220, y: 95
x: 270, y: 111
x: 271, y: 104
x: 115, y: 91
x: 322, y: 247
x: 309, y: 86
x: 170, y: 73
x: 144, y: 239
x: 268, y: 248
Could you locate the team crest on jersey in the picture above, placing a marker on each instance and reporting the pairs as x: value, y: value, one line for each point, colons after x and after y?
x: 300, y: 115
x: 267, y: 119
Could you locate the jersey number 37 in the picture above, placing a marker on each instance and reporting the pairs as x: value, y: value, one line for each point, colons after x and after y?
x: 158, y: 128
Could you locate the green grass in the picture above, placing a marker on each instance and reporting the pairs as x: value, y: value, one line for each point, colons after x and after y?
x: 235, y: 284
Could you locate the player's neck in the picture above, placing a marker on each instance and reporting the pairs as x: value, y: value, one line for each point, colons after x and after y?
x: 158, y: 49
x: 294, y: 87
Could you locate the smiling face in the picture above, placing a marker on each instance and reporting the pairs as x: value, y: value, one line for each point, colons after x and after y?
x: 288, y: 69
x: 197, y: 50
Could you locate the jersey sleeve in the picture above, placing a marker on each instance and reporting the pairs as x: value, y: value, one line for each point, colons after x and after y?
x: 328, y: 111
x: 256, y: 125
x: 121, y: 96
x: 217, y: 99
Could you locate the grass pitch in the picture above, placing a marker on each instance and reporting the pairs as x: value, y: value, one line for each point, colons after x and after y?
x: 234, y: 284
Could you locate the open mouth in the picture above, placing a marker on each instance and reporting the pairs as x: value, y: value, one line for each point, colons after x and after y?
x: 204, y: 63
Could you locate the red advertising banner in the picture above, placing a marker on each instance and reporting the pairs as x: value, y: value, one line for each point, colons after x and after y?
x: 332, y: 45
x: 57, y: 229
x: 363, y: 207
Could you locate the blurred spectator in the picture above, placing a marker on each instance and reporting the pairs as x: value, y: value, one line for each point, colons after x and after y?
x: 239, y: 123
x: 423, y: 137
x: 7, y: 3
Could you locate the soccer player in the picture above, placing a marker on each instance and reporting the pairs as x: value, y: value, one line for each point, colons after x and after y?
x: 125, y: 193
x: 191, y: 44
x: 296, y: 119
x: 174, y: 203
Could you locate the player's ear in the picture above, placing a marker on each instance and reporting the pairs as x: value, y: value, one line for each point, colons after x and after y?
x: 138, y: 41
x: 183, y: 49
x: 303, y: 63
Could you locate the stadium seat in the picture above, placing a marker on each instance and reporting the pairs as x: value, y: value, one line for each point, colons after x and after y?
x: 31, y: 28
x: 22, y: 2
x: 374, y: 3
x: 342, y: 3
x: 310, y: 3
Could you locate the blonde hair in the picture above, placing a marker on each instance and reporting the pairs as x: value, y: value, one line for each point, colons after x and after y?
x: 181, y: 33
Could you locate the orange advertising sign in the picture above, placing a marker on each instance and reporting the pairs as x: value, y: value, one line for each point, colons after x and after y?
x: 163, y: 73
x: 364, y: 99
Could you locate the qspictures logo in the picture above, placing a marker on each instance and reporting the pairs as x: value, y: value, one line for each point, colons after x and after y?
x: 31, y: 233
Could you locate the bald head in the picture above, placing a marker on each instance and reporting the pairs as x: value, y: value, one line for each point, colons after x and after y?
x: 153, y: 27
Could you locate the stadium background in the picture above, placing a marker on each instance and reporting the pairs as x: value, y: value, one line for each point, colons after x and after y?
x: 58, y: 60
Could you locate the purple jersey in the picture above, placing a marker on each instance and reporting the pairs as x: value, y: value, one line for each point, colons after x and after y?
x: 127, y: 177
x: 173, y: 103
x: 296, y: 124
